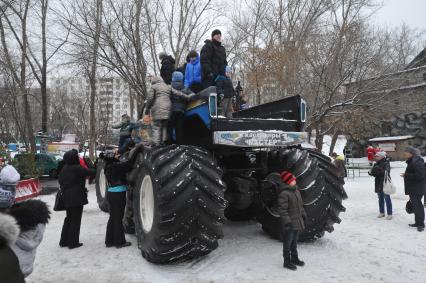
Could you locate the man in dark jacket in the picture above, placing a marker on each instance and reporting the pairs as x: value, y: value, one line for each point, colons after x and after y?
x: 167, y: 67
x: 115, y: 172
x: 213, y: 59
x: 72, y: 181
x: 414, y: 182
x: 9, y: 263
x: 292, y: 216
x: 380, y: 168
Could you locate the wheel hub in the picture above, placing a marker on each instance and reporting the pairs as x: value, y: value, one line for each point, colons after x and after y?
x: 146, y: 204
x: 102, y: 183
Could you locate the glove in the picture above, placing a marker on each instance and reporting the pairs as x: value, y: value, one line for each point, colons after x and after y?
x: 287, y: 227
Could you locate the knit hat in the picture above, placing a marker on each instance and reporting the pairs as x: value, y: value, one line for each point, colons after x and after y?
x: 162, y: 55
x: 216, y: 31
x: 228, y: 69
x: 381, y: 154
x: 414, y: 151
x: 192, y: 54
x: 177, y: 77
x: 287, y: 177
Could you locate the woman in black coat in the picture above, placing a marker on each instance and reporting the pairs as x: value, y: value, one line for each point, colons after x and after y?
x: 379, y: 170
x: 72, y: 181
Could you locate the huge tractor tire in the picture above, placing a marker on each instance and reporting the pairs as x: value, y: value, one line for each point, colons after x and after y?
x: 101, y: 186
x: 322, y: 192
x: 178, y: 201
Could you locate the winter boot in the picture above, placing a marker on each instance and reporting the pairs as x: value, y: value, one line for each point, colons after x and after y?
x: 381, y: 215
x: 288, y: 264
x: 389, y: 217
x: 295, y: 260
x: 420, y: 228
x: 413, y: 225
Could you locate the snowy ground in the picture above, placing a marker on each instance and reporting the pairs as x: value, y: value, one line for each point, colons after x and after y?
x: 362, y: 248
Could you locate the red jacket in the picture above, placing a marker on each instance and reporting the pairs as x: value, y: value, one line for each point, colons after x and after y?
x: 370, y: 153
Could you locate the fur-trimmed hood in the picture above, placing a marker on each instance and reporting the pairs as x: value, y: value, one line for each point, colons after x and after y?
x: 9, y: 230
x: 30, y: 213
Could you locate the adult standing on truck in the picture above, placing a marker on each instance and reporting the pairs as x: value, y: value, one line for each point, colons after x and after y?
x: 213, y: 59
x: 167, y: 67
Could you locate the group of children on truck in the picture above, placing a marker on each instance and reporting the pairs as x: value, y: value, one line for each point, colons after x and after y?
x: 164, y: 110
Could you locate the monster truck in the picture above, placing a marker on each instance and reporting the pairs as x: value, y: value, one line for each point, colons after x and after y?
x: 182, y: 193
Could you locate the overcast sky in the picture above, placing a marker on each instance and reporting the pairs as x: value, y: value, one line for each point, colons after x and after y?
x: 395, y: 12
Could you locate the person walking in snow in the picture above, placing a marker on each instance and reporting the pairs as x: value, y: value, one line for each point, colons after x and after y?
x: 292, y: 216
x: 32, y: 217
x: 339, y: 163
x: 414, y: 182
x: 72, y: 181
x: 115, y: 173
x: 213, y: 59
x: 380, y: 168
x: 167, y: 67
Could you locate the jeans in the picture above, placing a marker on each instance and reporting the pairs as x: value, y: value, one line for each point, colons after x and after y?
x: 419, y: 210
x: 382, y: 199
x: 290, y: 238
x: 159, y: 131
x: 123, y: 142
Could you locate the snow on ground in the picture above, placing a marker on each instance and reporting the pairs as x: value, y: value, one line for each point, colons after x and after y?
x: 362, y: 248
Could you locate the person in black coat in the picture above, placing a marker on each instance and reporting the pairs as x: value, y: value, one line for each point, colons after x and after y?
x: 9, y: 263
x: 379, y: 169
x: 213, y: 59
x: 72, y: 181
x: 414, y: 182
x: 115, y: 173
x: 167, y: 67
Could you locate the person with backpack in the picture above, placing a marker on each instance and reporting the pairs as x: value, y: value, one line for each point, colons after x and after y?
x: 380, y: 169
x: 414, y: 182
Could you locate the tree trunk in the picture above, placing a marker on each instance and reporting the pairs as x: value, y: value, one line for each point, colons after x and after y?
x: 43, y: 85
x: 319, y: 139
x: 92, y: 78
x: 333, y: 141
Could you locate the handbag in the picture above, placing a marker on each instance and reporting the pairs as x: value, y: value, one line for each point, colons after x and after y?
x: 409, y: 207
x: 59, y: 202
x: 388, y: 187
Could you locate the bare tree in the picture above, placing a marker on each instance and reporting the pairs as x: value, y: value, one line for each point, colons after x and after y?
x: 9, y: 10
